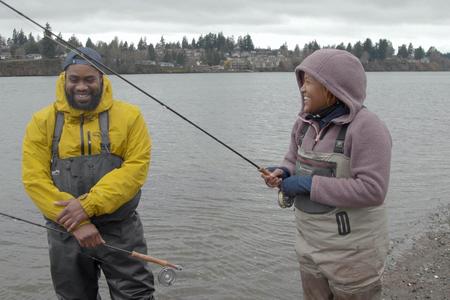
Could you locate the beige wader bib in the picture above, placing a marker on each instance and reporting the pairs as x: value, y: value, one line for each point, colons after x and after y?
x: 345, y: 246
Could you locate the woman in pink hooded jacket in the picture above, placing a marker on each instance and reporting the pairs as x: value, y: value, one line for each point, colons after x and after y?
x: 336, y: 174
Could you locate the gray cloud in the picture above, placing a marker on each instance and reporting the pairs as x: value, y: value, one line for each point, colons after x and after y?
x: 269, y: 22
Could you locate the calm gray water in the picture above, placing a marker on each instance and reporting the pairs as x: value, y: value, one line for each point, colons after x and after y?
x: 207, y: 209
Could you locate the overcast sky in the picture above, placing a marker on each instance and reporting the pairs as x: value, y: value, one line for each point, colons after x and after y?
x: 270, y: 23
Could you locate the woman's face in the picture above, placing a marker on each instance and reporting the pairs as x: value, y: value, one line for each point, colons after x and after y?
x: 315, y: 96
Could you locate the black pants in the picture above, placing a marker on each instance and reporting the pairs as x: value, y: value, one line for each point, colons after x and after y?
x: 75, y: 271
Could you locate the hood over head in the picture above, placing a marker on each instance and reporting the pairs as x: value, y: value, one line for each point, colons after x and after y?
x: 62, y: 104
x: 341, y: 73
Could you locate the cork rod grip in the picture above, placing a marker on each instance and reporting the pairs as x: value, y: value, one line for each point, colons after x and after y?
x: 149, y: 258
x: 264, y: 171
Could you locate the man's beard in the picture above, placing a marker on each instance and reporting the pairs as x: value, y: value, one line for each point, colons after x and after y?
x: 91, y: 105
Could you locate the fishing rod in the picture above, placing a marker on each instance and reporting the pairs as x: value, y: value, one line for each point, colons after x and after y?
x: 97, y: 64
x: 166, y: 275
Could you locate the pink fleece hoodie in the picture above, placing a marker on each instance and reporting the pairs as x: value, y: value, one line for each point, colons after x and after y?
x: 367, y: 143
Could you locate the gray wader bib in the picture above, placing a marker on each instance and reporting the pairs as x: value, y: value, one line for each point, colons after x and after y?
x: 346, y: 247
x: 75, y: 271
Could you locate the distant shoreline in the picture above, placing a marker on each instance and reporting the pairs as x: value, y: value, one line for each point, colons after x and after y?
x: 52, y: 67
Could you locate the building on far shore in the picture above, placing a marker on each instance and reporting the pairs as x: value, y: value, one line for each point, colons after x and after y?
x: 34, y: 56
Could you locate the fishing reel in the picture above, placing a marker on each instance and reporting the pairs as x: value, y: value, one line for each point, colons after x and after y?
x: 167, y: 276
x: 285, y: 201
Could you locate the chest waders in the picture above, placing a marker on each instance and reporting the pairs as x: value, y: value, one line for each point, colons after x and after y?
x: 77, y: 175
x: 74, y: 271
x: 311, y: 163
x: 346, y: 246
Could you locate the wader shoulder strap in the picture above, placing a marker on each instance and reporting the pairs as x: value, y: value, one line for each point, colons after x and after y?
x: 303, y: 131
x: 103, y: 119
x: 59, y: 124
x: 339, y: 145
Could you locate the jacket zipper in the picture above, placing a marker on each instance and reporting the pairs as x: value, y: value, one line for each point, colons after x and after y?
x: 319, y: 134
x: 89, y: 143
x: 82, y: 134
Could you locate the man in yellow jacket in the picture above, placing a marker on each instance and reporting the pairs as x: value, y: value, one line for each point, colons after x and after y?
x: 85, y: 159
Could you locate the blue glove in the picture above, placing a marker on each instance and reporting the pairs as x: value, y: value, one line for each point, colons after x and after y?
x: 296, y: 185
x: 285, y: 174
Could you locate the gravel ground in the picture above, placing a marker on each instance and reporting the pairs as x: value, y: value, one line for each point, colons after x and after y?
x: 423, y: 271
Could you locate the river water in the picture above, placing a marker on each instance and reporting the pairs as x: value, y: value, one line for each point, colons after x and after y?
x: 207, y: 209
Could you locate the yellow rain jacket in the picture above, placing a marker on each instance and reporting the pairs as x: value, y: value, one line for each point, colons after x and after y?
x: 129, y: 139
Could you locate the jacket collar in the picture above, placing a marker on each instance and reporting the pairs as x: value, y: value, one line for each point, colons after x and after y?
x: 329, y: 114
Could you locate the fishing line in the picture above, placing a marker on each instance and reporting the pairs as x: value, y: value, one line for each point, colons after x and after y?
x: 97, y: 64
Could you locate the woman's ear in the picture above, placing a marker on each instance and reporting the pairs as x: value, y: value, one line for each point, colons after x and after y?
x: 331, y: 99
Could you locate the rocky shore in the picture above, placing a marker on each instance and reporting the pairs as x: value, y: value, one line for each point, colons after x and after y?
x: 423, y: 271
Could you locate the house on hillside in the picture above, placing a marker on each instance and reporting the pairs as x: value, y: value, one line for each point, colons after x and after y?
x: 34, y: 56
x: 5, y: 54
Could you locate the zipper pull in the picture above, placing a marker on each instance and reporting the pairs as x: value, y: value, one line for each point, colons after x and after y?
x: 89, y: 143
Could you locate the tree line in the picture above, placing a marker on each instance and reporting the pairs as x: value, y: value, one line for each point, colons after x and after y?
x: 214, y: 49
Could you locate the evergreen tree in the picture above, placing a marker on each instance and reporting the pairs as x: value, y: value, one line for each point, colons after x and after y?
x: 368, y: 48
x: 382, y: 49
x: 185, y: 43
x: 341, y: 46
x: 13, y: 43
x: 167, y: 55
x: 19, y: 38
x: 89, y: 43
x: 349, y: 48
x: 142, y: 45
x: 181, y: 58
x: 114, y: 44
x: 212, y: 57
x: 221, y: 42
x: 390, y: 50
x: 246, y: 43
x: 162, y: 42
x: 112, y: 54
x: 31, y: 46
x: 151, y: 52
x: 60, y: 50
x: 2, y: 41
x: 358, y: 50
x: 419, y: 53
x: 74, y: 41
x: 230, y: 44
x: 432, y: 51
x: 402, y: 51
x: 284, y: 50
x: 14, y: 39
x: 410, y: 50
x: 48, y: 47
x: 315, y: 46
x: 297, y: 52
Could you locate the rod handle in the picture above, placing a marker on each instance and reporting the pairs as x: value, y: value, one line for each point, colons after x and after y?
x: 264, y: 171
x: 148, y: 258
